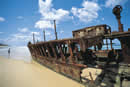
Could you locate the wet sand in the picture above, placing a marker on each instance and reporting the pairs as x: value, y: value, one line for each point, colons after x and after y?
x: 17, y: 73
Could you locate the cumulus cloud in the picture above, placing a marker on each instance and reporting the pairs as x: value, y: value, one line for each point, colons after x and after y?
x: 42, y: 24
x: 49, y: 14
x: 112, y: 3
x: 23, y: 29
x: 1, y: 32
x: 17, y: 39
x: 36, y: 33
x: 88, y: 12
x: 20, y: 17
x: 48, y: 33
x: 2, y: 19
x: 102, y: 19
x: 61, y: 31
x: 21, y: 38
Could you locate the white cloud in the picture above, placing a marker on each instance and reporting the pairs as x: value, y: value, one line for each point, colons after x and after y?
x: 2, y: 19
x: 61, y: 31
x: 20, y: 17
x: 23, y: 30
x: 36, y: 33
x: 55, y: 14
x: 18, y: 39
x: 102, y: 19
x: 21, y: 38
x: 1, y: 32
x: 112, y: 3
x: 42, y: 24
x: 48, y: 33
x: 49, y: 14
x: 88, y: 12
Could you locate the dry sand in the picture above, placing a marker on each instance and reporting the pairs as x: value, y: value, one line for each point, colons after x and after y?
x: 16, y: 73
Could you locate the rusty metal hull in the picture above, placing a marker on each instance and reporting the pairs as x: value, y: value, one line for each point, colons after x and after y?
x: 69, y: 70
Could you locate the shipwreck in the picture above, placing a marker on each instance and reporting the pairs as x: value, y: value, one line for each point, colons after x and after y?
x: 83, y: 59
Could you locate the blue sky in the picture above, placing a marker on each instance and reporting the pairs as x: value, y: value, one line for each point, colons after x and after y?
x: 20, y: 18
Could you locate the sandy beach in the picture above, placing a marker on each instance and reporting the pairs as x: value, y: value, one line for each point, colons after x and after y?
x: 17, y: 73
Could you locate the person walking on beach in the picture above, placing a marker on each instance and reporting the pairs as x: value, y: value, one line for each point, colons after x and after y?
x: 9, y: 52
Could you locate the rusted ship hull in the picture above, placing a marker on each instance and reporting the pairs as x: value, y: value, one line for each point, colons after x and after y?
x: 69, y: 70
x: 65, y: 64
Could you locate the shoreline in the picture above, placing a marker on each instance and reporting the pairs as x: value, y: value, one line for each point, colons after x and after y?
x: 3, y: 46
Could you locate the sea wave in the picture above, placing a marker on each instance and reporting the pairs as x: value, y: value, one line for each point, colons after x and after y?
x: 16, y: 52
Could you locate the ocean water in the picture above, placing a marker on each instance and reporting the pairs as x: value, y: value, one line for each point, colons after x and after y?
x: 104, y: 47
x: 16, y: 52
x: 22, y: 52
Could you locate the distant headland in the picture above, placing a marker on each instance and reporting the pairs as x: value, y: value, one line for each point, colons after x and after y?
x: 3, y: 44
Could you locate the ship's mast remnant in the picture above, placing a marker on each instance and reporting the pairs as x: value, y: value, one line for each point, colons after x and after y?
x: 33, y: 38
x: 55, y: 29
x: 44, y: 35
x: 116, y: 11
